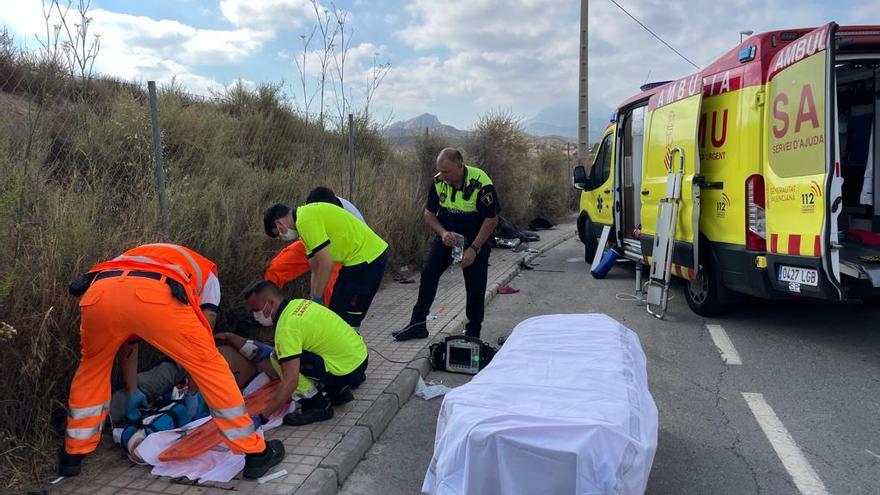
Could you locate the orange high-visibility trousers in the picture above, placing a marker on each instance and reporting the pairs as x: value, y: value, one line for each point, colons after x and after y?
x: 291, y: 263
x: 118, y: 308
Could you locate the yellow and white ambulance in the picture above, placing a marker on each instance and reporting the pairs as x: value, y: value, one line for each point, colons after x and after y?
x: 777, y: 140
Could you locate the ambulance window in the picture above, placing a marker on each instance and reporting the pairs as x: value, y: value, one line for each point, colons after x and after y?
x: 602, y: 166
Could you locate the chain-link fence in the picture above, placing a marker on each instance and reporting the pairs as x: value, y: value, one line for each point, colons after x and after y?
x: 80, y: 182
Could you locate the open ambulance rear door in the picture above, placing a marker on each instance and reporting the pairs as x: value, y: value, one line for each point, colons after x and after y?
x: 802, y: 168
x: 671, y: 137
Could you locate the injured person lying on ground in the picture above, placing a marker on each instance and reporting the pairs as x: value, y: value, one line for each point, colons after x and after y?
x: 317, y: 359
x: 168, y: 400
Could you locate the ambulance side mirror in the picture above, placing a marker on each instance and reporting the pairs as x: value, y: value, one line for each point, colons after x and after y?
x: 579, y: 178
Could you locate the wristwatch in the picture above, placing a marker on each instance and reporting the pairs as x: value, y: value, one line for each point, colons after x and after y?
x: 475, y: 248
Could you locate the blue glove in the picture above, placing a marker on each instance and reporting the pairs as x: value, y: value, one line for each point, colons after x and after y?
x: 259, y: 420
x: 133, y: 404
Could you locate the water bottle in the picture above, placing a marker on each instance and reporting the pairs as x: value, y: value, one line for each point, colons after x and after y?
x: 458, y: 249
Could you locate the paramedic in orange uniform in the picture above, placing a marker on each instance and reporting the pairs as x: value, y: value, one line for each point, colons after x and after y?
x: 154, y: 292
x: 292, y: 263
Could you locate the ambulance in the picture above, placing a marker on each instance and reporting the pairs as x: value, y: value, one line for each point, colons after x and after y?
x: 775, y: 141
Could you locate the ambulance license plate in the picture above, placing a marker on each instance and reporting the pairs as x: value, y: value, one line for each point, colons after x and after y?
x: 805, y: 276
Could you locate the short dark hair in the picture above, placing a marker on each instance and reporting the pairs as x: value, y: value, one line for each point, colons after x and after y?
x: 322, y: 194
x: 261, y: 287
x: 275, y: 212
x: 452, y: 154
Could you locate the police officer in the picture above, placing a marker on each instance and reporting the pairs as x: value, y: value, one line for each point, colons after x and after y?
x: 462, y: 200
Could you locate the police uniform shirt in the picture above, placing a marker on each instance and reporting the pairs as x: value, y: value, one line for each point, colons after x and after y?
x: 463, y: 210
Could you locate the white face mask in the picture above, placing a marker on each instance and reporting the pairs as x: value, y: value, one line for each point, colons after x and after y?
x: 262, y: 319
x: 289, y: 235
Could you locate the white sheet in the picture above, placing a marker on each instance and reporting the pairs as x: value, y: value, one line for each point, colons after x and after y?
x: 564, y: 408
x: 219, y: 464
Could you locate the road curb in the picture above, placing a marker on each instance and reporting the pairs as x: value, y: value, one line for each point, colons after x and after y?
x: 403, y: 386
x: 322, y: 481
x: 343, y: 459
x: 380, y: 413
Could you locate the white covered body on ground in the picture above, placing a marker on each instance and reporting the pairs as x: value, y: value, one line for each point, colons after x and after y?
x: 563, y: 408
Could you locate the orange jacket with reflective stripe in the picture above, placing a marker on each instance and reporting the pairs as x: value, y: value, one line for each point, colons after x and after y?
x: 291, y: 263
x: 172, y: 260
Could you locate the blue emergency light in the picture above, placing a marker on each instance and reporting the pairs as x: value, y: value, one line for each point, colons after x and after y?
x: 747, y: 54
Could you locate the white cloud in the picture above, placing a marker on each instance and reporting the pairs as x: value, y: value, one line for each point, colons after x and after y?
x: 868, y: 11
x: 622, y: 53
x: 174, y: 40
x: 523, y: 54
x: 500, y: 54
x: 138, y: 47
x: 246, y: 83
x: 268, y: 15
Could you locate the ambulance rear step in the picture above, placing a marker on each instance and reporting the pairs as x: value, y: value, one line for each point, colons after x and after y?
x: 860, y: 262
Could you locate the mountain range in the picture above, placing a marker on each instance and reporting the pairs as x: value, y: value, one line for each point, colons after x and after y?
x: 554, y: 121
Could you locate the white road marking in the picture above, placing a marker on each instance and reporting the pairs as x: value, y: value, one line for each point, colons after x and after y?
x: 723, y: 343
x: 873, y: 454
x: 803, y: 474
x: 573, y: 260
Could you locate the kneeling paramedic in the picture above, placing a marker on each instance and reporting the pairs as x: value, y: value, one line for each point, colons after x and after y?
x: 312, y: 341
x: 332, y: 235
x: 154, y: 292
x: 461, y: 200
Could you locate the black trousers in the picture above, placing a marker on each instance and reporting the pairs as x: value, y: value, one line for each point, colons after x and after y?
x: 312, y: 366
x: 439, y: 259
x: 355, y: 289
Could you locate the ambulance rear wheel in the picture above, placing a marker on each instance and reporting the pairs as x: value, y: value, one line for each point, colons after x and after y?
x: 706, y: 295
x: 591, y: 244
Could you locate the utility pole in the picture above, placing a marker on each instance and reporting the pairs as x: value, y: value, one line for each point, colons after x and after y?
x: 583, y: 111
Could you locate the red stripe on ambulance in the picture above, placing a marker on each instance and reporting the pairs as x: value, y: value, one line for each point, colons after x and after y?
x: 794, y: 244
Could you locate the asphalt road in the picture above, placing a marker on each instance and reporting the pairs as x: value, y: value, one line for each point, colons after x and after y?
x: 809, y: 370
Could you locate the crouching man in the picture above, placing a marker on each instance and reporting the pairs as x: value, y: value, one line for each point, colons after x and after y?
x: 313, y: 341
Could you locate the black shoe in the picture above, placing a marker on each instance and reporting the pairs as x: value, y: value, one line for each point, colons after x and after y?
x: 418, y: 328
x: 503, y: 339
x: 257, y: 465
x: 413, y: 332
x: 69, y: 464
x: 343, y: 396
x: 308, y: 416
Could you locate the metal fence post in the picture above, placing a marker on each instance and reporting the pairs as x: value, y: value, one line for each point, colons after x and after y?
x: 157, y: 153
x: 351, y: 157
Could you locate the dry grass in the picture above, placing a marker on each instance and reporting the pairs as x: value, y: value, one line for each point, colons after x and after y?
x: 77, y: 187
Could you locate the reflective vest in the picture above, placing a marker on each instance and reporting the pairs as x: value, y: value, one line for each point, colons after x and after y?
x: 462, y: 200
x: 172, y: 260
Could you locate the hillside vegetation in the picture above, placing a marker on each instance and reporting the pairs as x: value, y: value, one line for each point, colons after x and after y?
x: 77, y: 186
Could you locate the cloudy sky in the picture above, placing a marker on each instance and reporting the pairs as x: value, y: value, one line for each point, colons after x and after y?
x: 454, y: 58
